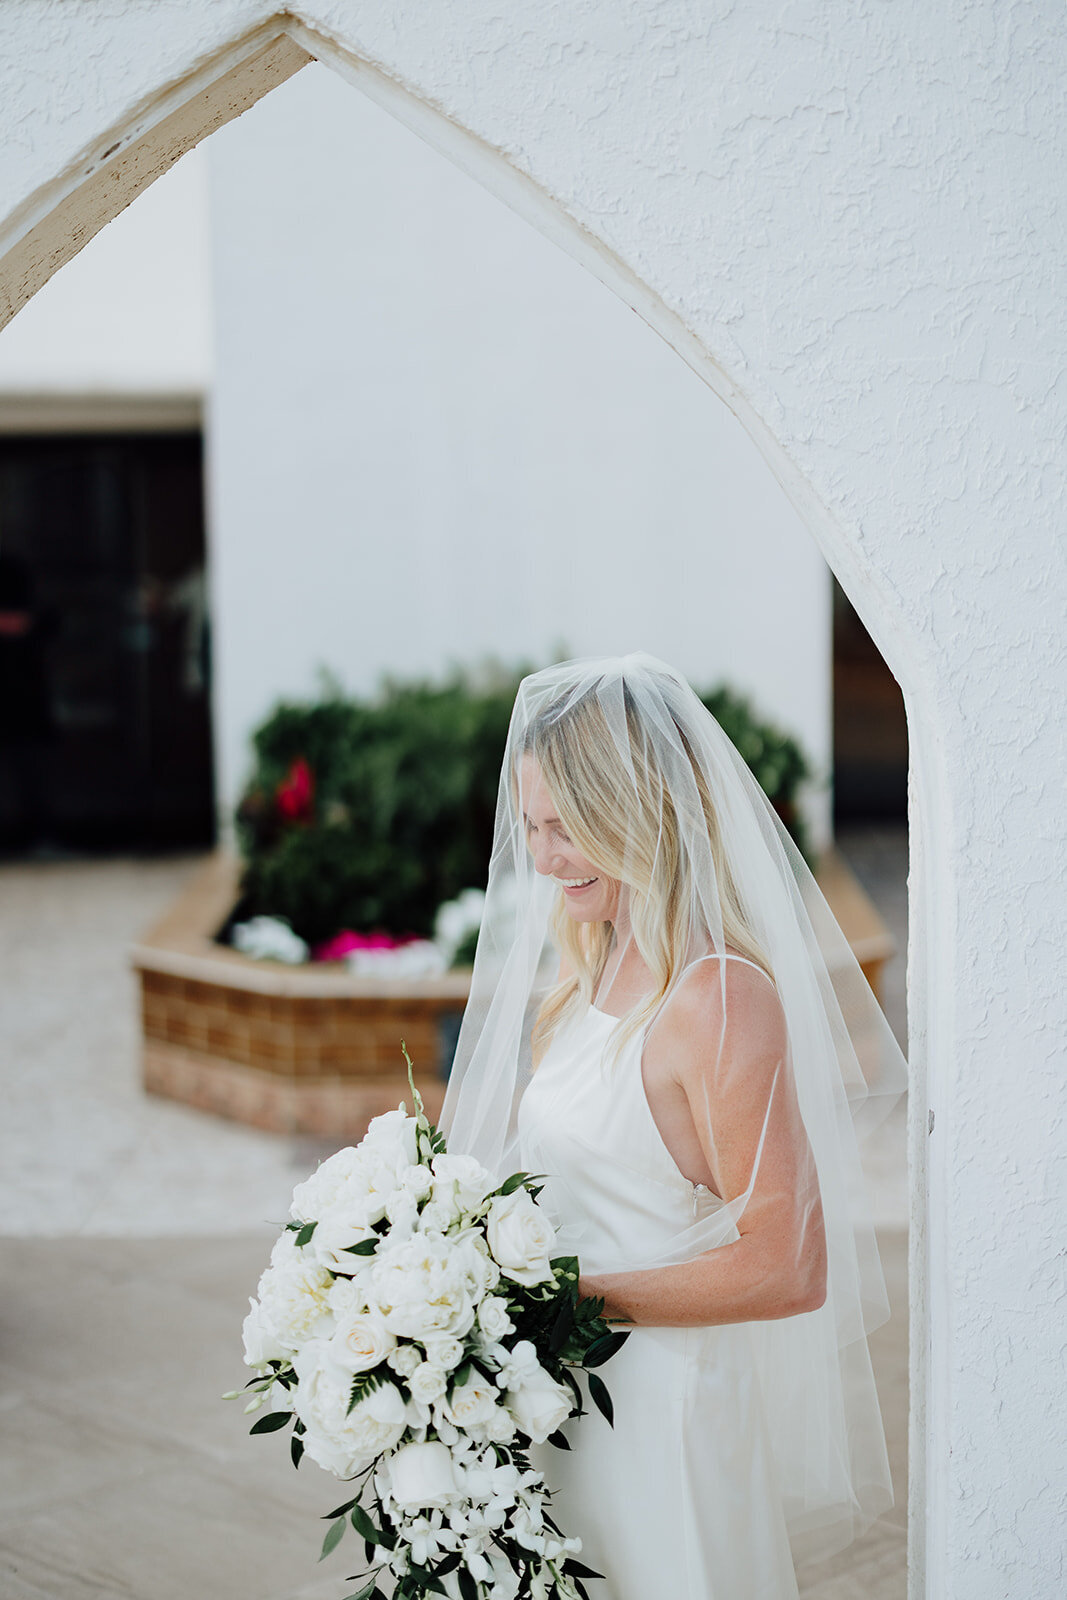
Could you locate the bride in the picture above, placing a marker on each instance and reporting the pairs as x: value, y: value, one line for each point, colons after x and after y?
x: 666, y: 1022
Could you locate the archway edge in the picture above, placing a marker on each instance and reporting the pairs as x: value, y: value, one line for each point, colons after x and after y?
x: 63, y: 213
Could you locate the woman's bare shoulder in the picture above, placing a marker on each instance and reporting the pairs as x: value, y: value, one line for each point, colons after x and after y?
x: 722, y: 1004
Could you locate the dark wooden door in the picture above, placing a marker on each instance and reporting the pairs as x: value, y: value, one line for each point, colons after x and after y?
x: 104, y: 642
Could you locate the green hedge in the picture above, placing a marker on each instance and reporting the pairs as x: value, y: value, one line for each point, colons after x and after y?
x: 368, y: 815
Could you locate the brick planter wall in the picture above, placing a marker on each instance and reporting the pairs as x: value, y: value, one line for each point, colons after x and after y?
x: 309, y: 1050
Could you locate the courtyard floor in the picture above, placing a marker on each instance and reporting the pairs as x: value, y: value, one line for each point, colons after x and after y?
x: 132, y: 1232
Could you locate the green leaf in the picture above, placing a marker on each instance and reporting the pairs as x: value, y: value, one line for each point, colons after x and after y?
x: 271, y: 1422
x: 576, y: 1569
x: 604, y: 1348
x: 304, y: 1236
x: 601, y: 1398
x: 342, y: 1511
x: 572, y: 1383
x: 333, y: 1538
x: 560, y: 1440
x: 296, y: 1449
x: 363, y: 1384
x: 509, y: 1185
x: 427, y: 1579
x: 460, y: 1376
x: 365, y: 1247
x: 367, y: 1530
x: 467, y: 1586
x: 368, y: 1592
x: 562, y: 1326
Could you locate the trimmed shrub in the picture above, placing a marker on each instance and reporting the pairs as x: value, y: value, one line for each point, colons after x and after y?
x: 368, y: 815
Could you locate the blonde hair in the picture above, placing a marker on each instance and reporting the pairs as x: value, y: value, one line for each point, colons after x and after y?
x: 640, y: 846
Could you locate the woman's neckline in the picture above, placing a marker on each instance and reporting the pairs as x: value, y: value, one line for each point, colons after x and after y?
x: 725, y: 955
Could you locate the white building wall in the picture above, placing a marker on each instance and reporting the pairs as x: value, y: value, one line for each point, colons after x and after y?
x: 130, y: 315
x: 434, y: 438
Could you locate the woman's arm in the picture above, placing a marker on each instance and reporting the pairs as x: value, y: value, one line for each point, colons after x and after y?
x: 739, y: 1091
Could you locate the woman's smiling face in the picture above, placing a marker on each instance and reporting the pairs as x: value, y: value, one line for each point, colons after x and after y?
x: 589, y: 895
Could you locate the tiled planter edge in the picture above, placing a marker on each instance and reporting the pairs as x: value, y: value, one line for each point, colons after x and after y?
x: 298, y: 1050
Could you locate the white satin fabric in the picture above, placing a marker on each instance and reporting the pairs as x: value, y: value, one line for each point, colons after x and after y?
x: 681, y: 1498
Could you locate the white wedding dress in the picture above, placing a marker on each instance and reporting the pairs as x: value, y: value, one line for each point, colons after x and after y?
x: 679, y: 1501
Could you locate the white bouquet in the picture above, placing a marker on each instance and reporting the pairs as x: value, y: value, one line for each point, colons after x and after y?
x: 416, y: 1328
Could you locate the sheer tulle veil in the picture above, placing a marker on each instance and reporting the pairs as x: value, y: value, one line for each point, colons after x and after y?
x: 651, y: 790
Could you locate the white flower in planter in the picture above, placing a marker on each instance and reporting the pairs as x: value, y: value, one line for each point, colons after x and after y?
x: 419, y: 958
x: 269, y: 939
x: 456, y: 920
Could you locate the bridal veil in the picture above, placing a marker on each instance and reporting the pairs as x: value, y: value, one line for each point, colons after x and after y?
x: 649, y: 790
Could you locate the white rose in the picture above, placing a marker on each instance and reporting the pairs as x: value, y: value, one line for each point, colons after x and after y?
x: 392, y: 1138
x: 345, y: 1297
x: 501, y: 1427
x: 443, y: 1352
x: 460, y: 1182
x: 427, y: 1383
x: 540, y: 1406
x: 343, y: 1444
x: 472, y: 1254
x: 420, y: 1289
x: 402, y: 1211
x: 493, y: 1319
x: 416, y: 1181
x: 436, y: 1218
x: 423, y: 1476
x: 404, y: 1360
x: 326, y: 1189
x: 521, y: 1237
x: 331, y: 1239
x: 260, y: 1341
x: 473, y: 1405
x: 361, y: 1342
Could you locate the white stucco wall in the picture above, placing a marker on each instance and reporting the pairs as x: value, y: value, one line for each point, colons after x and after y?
x: 130, y: 315
x: 849, y: 218
x: 434, y: 437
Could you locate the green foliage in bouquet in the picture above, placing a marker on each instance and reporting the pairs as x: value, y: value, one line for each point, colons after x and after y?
x: 370, y: 814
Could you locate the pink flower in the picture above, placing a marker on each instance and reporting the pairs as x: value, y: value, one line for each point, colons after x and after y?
x: 338, y: 947
x: 295, y: 794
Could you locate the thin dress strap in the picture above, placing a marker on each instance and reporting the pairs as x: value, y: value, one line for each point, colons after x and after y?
x: 728, y: 955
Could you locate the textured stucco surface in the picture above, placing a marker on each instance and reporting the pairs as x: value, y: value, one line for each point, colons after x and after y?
x: 849, y: 217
